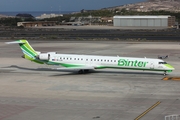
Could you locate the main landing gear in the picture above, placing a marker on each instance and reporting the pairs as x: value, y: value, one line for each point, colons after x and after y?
x: 83, y: 71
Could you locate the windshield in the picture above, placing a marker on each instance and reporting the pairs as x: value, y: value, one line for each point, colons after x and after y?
x: 162, y: 63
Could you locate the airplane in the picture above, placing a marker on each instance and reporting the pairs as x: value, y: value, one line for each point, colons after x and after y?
x: 84, y: 63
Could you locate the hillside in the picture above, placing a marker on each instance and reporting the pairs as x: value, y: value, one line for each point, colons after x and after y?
x: 151, y: 5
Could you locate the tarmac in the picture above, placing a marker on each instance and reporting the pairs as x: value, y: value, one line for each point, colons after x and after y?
x: 30, y: 91
x: 102, y: 27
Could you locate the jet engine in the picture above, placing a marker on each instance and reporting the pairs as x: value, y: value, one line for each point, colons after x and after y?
x: 45, y: 56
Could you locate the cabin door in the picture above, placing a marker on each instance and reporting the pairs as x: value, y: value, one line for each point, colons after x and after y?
x: 152, y: 65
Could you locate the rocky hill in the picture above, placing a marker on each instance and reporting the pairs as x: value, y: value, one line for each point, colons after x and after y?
x: 151, y: 5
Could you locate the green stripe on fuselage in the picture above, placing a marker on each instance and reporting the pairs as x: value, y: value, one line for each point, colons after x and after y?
x: 144, y: 69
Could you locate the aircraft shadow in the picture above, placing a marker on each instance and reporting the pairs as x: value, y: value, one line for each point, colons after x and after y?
x: 131, y: 72
x: 68, y: 72
x: 33, y: 69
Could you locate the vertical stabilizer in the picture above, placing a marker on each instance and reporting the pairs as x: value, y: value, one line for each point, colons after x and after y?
x: 29, y: 52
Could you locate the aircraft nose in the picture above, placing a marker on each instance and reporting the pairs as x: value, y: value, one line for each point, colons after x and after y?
x: 170, y: 66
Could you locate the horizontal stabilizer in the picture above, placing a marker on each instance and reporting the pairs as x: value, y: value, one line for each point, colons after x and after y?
x: 15, y: 42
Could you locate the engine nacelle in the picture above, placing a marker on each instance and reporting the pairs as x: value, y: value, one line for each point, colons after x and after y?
x: 44, y: 56
x: 51, y: 52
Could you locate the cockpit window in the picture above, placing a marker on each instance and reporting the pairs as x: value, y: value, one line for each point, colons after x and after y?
x: 162, y: 63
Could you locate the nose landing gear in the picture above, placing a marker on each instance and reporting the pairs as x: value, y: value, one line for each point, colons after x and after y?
x: 165, y: 73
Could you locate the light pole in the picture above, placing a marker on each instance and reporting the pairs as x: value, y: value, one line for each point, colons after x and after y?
x: 90, y: 18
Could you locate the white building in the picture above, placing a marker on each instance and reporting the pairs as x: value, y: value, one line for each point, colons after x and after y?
x: 48, y: 16
x: 144, y: 21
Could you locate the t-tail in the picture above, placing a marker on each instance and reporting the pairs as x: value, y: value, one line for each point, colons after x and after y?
x: 28, y: 51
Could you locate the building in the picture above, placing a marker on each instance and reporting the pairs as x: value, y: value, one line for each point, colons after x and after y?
x: 73, y: 23
x: 43, y: 16
x: 144, y: 21
x: 5, y: 16
x: 107, y: 19
x: 37, y: 23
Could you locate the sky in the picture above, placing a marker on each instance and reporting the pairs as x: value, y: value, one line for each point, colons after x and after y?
x: 60, y: 5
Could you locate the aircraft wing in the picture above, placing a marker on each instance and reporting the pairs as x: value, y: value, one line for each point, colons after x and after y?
x: 76, y: 68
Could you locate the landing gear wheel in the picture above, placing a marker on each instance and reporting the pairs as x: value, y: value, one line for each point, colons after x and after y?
x: 165, y: 73
x: 86, y: 71
x: 81, y: 71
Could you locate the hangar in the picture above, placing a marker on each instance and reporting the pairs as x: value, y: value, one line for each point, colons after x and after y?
x: 144, y: 21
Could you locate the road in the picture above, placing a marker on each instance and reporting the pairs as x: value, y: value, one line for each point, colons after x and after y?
x: 92, y: 33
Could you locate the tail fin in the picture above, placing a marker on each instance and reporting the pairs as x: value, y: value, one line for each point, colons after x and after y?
x: 29, y: 52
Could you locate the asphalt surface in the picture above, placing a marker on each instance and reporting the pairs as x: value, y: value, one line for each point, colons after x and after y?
x: 31, y: 91
x: 92, y: 33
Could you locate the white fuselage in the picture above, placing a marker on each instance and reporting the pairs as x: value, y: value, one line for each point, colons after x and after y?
x: 88, y: 62
x: 109, y: 62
